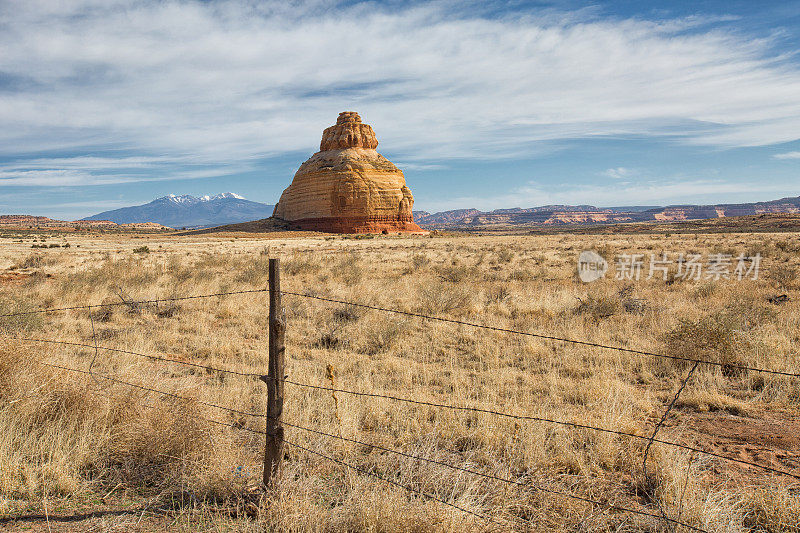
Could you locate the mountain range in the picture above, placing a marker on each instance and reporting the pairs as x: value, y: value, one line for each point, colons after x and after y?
x: 187, y: 211
x: 228, y: 208
x: 553, y: 215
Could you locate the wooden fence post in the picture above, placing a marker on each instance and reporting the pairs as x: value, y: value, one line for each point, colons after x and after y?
x: 273, y: 452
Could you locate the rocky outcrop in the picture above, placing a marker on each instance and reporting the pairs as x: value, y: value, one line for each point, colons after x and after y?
x: 348, y: 187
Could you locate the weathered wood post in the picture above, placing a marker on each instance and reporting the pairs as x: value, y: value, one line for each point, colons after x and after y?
x: 273, y: 452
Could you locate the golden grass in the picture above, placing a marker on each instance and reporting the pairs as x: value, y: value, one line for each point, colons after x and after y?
x: 67, y: 438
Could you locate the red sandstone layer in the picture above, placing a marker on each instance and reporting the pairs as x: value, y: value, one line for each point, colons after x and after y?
x: 363, y: 224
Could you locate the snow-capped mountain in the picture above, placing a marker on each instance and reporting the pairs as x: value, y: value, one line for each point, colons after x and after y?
x: 186, y: 199
x: 185, y: 211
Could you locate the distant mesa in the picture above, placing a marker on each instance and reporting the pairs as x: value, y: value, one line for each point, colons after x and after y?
x: 38, y: 222
x: 578, y: 215
x: 348, y: 187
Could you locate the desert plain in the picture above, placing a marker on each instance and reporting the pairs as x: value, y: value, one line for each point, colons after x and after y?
x: 80, y: 452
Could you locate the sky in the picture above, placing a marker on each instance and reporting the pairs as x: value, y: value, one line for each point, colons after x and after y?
x: 487, y: 105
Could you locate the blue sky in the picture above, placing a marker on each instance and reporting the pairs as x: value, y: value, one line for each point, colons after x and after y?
x: 109, y: 103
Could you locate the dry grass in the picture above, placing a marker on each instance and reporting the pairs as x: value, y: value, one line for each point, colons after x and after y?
x: 69, y: 440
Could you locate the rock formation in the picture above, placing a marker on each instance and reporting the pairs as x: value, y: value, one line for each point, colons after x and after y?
x: 348, y: 187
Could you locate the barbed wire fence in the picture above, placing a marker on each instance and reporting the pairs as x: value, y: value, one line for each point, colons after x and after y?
x: 275, y: 380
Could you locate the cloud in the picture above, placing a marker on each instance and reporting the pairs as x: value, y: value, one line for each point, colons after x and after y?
x: 234, y: 81
x: 71, y: 174
x: 787, y: 155
x: 618, y: 173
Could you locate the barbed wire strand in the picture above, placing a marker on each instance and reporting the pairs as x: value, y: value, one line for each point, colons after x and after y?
x: 426, y: 317
x: 389, y: 450
x: 129, y: 303
x: 576, y: 425
x: 432, y: 461
x: 543, y: 336
x: 485, y: 475
x: 354, y: 467
x: 149, y: 389
x: 398, y: 484
x: 148, y: 356
x: 550, y: 421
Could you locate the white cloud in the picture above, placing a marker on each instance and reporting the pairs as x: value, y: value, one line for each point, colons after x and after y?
x: 13, y: 176
x: 618, y: 173
x: 227, y: 82
x: 787, y: 155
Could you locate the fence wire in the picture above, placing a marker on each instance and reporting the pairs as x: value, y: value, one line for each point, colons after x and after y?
x: 650, y: 440
x: 543, y: 336
x: 576, y: 425
x: 403, y: 454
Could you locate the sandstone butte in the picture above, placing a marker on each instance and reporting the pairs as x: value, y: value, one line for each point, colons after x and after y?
x: 348, y: 187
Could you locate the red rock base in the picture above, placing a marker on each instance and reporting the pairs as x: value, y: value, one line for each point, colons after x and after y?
x: 368, y: 224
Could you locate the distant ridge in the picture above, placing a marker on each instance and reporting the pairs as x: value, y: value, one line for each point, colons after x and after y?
x: 185, y: 211
x: 39, y: 222
x: 555, y: 215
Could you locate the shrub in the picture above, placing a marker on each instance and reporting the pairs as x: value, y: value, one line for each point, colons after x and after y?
x: 349, y: 269
x: 784, y: 275
x: 497, y: 294
x: 254, y: 272
x: 505, y: 255
x: 32, y: 261
x: 419, y: 261
x: 301, y: 263
x: 438, y: 298
x: 712, y: 338
x: 141, y: 250
x: 19, y: 323
x: 458, y: 273
x: 522, y: 274
x: 381, y: 336
x: 598, y: 306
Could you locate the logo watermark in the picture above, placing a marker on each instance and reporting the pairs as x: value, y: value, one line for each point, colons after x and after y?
x: 591, y: 266
x: 686, y: 266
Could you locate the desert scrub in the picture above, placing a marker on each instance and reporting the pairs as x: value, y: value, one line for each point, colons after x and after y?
x: 439, y: 298
x: 349, y: 269
x: 598, y: 306
x: 458, y: 273
x: 60, y: 437
x: 30, y: 262
x: 525, y: 274
x: 784, y: 276
x: 301, y: 263
x: 711, y: 338
x: 253, y: 271
x: 20, y: 323
x: 379, y: 334
x: 417, y: 262
x: 505, y: 255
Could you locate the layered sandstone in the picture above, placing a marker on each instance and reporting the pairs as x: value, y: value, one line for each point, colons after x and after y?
x: 348, y: 187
